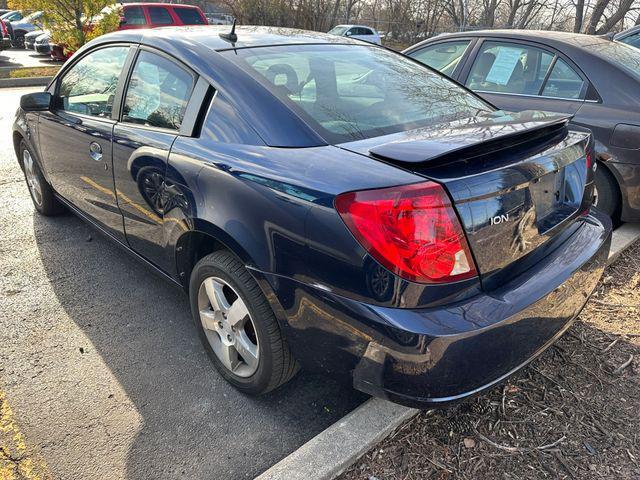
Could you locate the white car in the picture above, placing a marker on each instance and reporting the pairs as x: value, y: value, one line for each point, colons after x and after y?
x: 361, y: 32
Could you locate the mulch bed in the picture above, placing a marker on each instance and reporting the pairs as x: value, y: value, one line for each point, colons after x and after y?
x: 574, y: 413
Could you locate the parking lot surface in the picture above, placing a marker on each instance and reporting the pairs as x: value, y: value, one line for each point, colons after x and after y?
x: 103, y: 370
x: 17, y: 58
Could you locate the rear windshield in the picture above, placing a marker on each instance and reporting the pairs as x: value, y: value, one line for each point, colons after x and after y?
x: 623, y: 55
x: 189, y: 16
x: 352, y: 92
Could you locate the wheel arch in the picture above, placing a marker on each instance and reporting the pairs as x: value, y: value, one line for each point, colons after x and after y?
x: 207, y: 238
x: 203, y: 239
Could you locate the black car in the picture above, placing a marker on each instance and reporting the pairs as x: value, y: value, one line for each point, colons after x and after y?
x: 324, y: 202
x: 592, y: 78
x: 630, y: 36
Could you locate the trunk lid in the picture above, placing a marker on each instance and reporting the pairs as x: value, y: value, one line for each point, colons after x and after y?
x: 517, y: 180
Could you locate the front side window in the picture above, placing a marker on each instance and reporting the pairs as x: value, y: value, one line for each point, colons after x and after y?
x: 158, y: 92
x: 160, y: 16
x: 339, y: 30
x: 509, y: 68
x: 563, y: 82
x: 189, y: 16
x: 444, y: 57
x: 134, y: 16
x: 351, y: 92
x: 90, y: 85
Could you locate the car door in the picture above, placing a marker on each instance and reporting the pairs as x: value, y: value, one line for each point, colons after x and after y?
x: 446, y: 56
x: 153, y: 110
x: 76, y: 135
x: 517, y: 76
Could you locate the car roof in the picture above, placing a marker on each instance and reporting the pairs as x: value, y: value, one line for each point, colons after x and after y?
x: 548, y: 37
x: 157, y: 4
x: 209, y: 36
x: 627, y: 32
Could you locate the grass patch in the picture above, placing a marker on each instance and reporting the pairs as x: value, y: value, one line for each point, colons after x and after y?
x: 30, y: 72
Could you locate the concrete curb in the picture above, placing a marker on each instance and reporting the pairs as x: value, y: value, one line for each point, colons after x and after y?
x: 623, y: 238
x: 330, y: 452
x: 25, y: 82
x: 333, y: 450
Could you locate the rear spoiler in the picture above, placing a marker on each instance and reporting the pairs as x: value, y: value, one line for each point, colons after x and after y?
x: 474, y: 137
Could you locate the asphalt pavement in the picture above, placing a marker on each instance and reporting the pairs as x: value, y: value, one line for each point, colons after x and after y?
x: 19, y: 57
x: 103, y: 369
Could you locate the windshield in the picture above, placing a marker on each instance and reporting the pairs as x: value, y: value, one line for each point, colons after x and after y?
x: 352, y: 92
x: 339, y: 30
x: 34, y: 16
x: 623, y: 55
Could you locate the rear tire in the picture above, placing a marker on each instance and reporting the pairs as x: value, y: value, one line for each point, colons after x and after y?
x: 606, y: 193
x: 41, y: 192
x: 270, y: 363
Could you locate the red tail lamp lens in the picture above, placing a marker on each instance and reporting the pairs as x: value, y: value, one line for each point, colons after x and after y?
x: 412, y: 230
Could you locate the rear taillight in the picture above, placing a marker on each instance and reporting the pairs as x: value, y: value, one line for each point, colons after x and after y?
x: 412, y: 230
x: 3, y: 27
x: 589, y: 160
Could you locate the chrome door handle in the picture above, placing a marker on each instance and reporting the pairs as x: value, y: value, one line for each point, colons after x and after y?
x: 95, y: 151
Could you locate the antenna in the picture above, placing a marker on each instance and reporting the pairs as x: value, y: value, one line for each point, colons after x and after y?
x: 231, y: 36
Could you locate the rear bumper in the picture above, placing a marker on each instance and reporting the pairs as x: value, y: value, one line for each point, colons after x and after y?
x: 5, y: 44
x: 43, y: 49
x: 470, y: 347
x: 427, y: 357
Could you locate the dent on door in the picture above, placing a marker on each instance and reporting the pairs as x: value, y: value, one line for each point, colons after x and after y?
x: 139, y: 170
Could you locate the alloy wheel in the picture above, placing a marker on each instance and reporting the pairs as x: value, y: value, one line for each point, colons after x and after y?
x: 228, y: 327
x: 33, y: 181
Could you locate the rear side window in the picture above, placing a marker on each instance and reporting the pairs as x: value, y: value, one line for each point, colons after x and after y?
x: 134, y: 16
x: 189, y: 16
x: 563, y: 82
x: 160, y: 16
x: 509, y: 68
x: 444, y: 57
x: 158, y: 92
x: 90, y: 85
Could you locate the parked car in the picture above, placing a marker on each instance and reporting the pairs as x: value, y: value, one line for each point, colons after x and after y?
x: 630, y: 36
x: 27, y: 24
x: 150, y: 15
x: 58, y: 53
x: 561, y: 72
x: 30, y: 39
x: 11, y: 16
x: 42, y: 45
x: 219, y: 18
x: 5, y: 38
x: 360, y: 32
x: 317, y: 201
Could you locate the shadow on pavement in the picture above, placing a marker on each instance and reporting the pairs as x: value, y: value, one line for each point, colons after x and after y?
x: 194, y: 424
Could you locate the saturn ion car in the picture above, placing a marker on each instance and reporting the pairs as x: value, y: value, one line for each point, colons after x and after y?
x: 325, y: 203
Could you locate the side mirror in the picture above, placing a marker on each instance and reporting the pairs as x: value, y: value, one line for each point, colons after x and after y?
x: 123, y: 21
x: 36, y: 102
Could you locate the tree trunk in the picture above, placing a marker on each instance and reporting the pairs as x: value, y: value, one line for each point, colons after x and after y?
x: 596, y: 15
x: 619, y: 14
x: 577, y: 24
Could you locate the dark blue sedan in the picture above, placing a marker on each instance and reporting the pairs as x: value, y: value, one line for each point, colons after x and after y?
x: 325, y: 203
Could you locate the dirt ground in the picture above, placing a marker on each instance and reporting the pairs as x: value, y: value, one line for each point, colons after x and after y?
x: 573, y: 413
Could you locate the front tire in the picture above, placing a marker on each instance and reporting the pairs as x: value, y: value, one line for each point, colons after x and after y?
x: 41, y: 192
x: 237, y: 326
